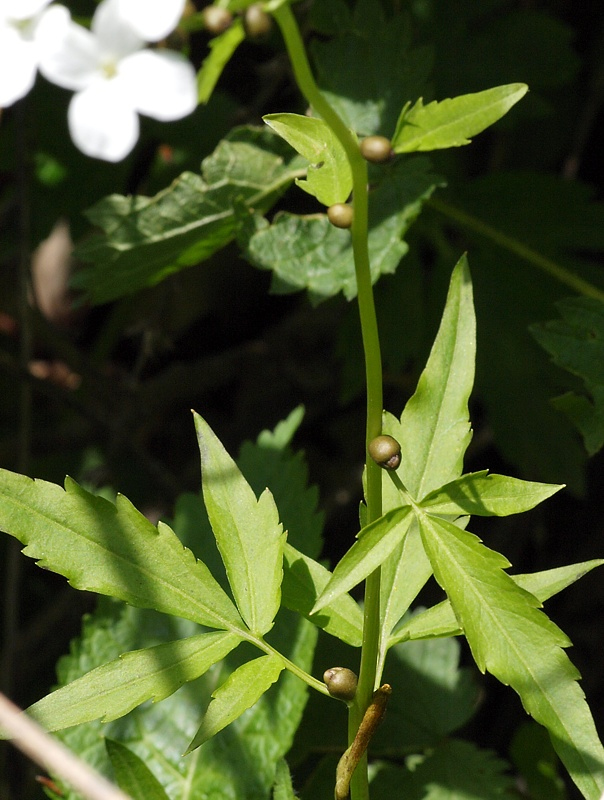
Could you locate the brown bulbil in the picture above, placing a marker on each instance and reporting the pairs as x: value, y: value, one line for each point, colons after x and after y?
x: 257, y: 22
x: 385, y: 451
x: 341, y: 683
x: 216, y: 20
x: 377, y: 149
x: 340, y: 215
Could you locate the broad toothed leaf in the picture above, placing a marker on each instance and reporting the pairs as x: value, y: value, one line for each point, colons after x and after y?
x: 328, y: 177
x: 111, y: 549
x: 308, y: 252
x: 453, y: 770
x: 247, y: 530
x: 575, y: 343
x: 145, y: 239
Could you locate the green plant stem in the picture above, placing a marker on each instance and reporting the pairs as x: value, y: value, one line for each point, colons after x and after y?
x: 302, y: 674
x: 373, y: 362
x: 552, y: 268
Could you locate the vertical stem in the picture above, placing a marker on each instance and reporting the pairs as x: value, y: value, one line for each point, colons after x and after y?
x: 373, y: 361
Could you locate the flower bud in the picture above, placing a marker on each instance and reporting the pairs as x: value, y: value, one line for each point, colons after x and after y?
x: 385, y: 451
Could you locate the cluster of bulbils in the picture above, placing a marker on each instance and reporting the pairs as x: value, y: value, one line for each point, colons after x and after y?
x: 255, y: 19
x: 375, y: 149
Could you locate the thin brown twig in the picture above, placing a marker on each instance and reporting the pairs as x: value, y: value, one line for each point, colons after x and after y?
x: 32, y: 740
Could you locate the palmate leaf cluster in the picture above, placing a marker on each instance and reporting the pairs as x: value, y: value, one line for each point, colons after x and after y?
x: 114, y: 550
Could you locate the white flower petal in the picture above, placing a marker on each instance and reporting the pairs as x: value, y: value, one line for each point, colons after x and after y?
x: 161, y: 84
x: 18, y: 66
x: 102, y: 123
x: 115, y: 35
x: 22, y: 9
x: 152, y: 20
x: 69, y: 54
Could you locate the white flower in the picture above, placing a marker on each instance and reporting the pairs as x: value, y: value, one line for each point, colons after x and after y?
x: 18, y: 47
x: 151, y: 20
x: 113, y: 76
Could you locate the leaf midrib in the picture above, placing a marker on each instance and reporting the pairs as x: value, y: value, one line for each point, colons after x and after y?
x: 486, y: 607
x: 441, y: 405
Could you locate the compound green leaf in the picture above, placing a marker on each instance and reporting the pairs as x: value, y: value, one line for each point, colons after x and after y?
x: 111, y: 549
x: 551, y: 581
x: 304, y: 579
x: 434, y: 432
x: 516, y: 642
x: 133, y: 776
x: 440, y: 620
x: 244, y: 687
x: 247, y: 530
x: 328, y: 178
x: 576, y: 343
x: 222, y: 48
x: 451, y: 122
x: 374, y: 544
x: 270, y: 462
x: 112, y: 690
x: 487, y: 495
x: 160, y: 732
x: 310, y: 253
x: 145, y: 239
